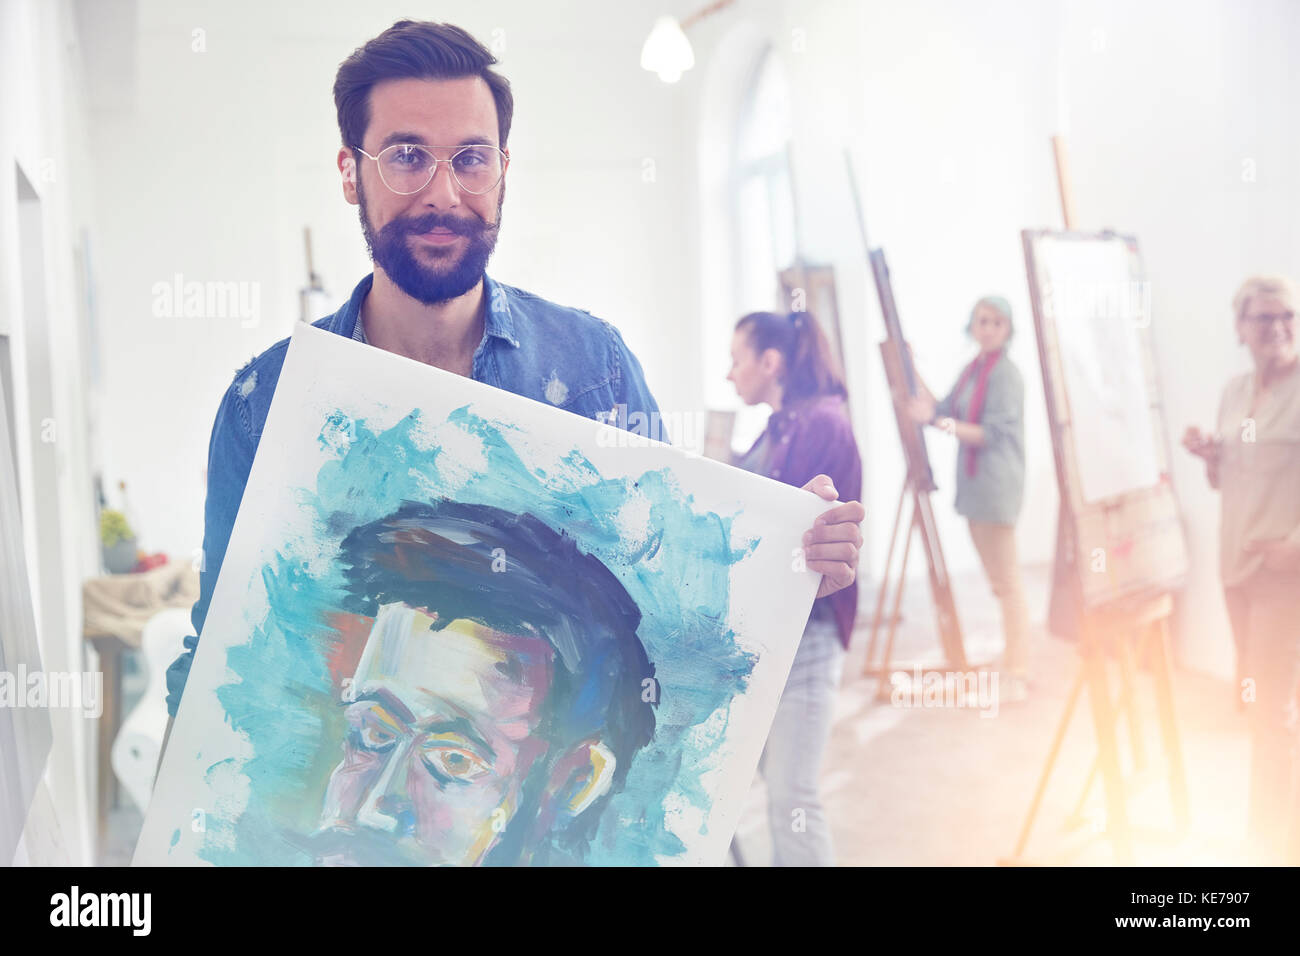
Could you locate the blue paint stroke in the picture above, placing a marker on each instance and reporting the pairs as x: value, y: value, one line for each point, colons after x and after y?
x: 282, y: 696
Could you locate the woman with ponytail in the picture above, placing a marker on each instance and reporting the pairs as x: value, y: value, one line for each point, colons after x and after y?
x: 985, y: 412
x: 784, y: 361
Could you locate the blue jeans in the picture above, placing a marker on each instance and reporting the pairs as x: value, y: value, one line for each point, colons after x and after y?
x: 792, y: 760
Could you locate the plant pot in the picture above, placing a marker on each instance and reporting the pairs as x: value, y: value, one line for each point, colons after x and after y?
x: 120, y: 558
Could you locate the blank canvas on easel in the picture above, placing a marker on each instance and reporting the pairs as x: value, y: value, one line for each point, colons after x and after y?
x: 1099, y: 308
x: 1120, y: 522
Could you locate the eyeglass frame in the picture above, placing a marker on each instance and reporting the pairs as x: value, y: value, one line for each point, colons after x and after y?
x: 1268, y: 318
x: 505, y: 162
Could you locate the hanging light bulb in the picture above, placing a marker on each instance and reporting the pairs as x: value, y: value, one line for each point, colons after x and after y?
x: 667, y: 52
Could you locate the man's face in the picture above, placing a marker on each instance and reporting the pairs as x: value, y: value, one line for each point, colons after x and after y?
x: 440, y: 738
x: 433, y: 244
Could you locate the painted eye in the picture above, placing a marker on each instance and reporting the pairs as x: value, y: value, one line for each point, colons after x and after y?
x: 373, y: 727
x: 453, y: 762
x: 376, y: 737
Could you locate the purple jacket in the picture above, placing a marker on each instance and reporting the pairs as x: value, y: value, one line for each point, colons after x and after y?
x: 813, y: 437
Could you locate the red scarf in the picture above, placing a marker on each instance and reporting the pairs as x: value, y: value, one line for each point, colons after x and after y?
x: 984, y: 366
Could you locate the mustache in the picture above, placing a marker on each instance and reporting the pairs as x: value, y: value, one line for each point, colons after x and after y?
x: 461, y: 225
x: 345, y: 846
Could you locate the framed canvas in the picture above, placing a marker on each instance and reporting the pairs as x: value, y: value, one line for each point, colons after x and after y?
x: 457, y: 626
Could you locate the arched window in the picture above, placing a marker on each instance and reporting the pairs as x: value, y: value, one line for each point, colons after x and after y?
x: 761, y: 208
x: 762, y: 200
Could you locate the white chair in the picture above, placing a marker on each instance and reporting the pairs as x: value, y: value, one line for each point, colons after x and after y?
x: 139, y: 742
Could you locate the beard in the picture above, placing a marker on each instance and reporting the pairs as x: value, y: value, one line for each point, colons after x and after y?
x: 432, y: 283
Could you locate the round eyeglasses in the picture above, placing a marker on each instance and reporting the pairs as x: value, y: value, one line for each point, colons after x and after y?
x: 406, y: 168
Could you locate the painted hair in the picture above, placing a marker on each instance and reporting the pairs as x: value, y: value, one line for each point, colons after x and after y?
x: 441, y: 556
x: 1278, y: 287
x: 810, y: 369
x: 998, y: 304
x: 419, y: 50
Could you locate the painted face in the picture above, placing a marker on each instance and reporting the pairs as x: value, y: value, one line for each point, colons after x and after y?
x: 440, y: 739
x: 433, y: 244
x: 1268, y: 329
x: 750, y: 374
x: 990, y: 328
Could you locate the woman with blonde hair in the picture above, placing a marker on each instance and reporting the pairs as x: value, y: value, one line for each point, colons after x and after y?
x: 1253, y: 459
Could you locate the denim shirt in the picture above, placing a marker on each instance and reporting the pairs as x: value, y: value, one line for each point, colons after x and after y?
x: 550, y: 353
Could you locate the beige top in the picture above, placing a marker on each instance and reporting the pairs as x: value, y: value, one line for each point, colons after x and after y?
x: 1259, y: 472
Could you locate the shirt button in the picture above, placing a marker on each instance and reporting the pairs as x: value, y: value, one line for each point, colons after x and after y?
x: 785, y: 440
x: 776, y: 472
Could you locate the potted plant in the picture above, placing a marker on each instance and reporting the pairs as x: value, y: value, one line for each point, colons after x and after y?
x: 118, y: 540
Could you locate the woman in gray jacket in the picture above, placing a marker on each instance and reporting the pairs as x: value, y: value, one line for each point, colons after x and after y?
x: 985, y: 412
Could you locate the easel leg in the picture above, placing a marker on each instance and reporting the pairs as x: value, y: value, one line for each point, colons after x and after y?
x: 1161, y: 665
x: 940, y: 586
x: 1128, y: 701
x: 884, y: 581
x: 883, y: 688
x: 1103, y: 717
x: 1061, y: 728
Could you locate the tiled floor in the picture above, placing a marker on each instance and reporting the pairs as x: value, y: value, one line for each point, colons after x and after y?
x: 947, y: 786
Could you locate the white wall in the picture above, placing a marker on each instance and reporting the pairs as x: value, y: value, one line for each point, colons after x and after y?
x: 1183, y: 131
x: 1169, y: 109
x: 43, y: 135
x: 946, y: 109
x: 211, y: 162
x: 243, y: 138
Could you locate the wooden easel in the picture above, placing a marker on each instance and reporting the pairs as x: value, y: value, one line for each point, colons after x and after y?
x: 917, y: 485
x: 1123, y: 627
x: 1123, y: 631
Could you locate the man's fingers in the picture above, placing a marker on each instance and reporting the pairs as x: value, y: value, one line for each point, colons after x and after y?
x: 823, y: 487
x: 835, y: 576
x: 840, y: 531
x: 851, y: 511
x: 832, y: 552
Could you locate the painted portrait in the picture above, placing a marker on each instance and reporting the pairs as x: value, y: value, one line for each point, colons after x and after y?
x: 457, y: 627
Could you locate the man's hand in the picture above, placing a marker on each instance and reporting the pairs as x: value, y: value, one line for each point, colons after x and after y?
x: 1280, y: 554
x: 832, y: 544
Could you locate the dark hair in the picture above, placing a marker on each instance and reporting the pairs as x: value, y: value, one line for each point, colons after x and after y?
x: 414, y: 49
x: 810, y: 369
x: 441, y: 556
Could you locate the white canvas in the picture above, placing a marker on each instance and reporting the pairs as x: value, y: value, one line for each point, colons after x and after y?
x: 1099, y: 311
x: 328, y: 721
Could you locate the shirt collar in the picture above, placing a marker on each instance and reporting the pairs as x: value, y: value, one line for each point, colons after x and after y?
x: 498, y: 321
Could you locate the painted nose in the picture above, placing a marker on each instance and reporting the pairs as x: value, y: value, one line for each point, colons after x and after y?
x: 387, y: 805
